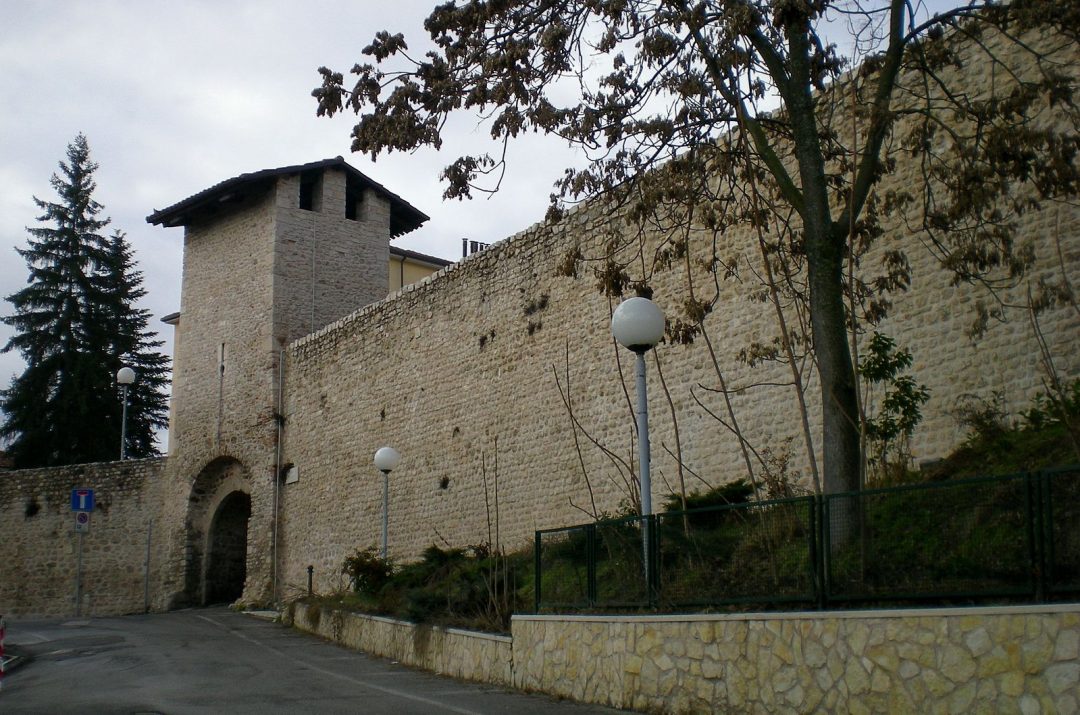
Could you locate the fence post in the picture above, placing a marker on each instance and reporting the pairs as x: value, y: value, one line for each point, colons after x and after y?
x: 536, y: 574
x: 654, y: 560
x: 814, y: 539
x: 1038, y: 520
x: 310, y: 572
x: 824, y: 549
x: 590, y: 565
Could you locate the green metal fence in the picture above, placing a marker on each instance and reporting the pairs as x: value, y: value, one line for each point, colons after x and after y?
x: 1013, y: 537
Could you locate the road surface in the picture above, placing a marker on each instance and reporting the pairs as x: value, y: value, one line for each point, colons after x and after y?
x: 219, y: 661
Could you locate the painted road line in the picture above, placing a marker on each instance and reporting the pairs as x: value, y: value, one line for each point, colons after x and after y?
x: 356, y: 681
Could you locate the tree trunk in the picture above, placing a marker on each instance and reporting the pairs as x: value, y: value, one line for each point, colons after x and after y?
x: 839, y: 405
x: 825, y: 243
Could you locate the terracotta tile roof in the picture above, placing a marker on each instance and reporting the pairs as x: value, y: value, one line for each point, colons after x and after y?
x: 403, y: 216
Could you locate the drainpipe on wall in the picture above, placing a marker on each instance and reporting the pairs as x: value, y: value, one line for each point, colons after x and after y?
x: 312, y: 330
x: 279, y: 418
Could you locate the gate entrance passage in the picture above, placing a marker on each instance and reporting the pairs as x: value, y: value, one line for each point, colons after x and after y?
x: 219, y: 509
x: 226, y: 565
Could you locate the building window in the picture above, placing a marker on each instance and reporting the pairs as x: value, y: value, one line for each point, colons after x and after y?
x: 310, y: 192
x: 354, y: 198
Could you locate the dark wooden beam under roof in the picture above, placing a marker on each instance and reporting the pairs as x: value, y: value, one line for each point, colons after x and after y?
x: 404, y: 217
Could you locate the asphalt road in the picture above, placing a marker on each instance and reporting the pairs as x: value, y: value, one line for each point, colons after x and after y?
x: 218, y: 661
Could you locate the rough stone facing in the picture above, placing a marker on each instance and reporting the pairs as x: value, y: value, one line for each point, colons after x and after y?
x: 992, y: 660
x: 255, y: 277
x: 468, y: 375
x: 472, y: 374
x: 38, y: 546
x: 447, y: 651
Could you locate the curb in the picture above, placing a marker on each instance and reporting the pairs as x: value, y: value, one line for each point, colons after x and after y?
x: 15, y: 658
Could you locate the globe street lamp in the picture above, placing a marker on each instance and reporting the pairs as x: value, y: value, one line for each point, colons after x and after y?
x: 125, y: 376
x: 638, y: 324
x: 386, y: 459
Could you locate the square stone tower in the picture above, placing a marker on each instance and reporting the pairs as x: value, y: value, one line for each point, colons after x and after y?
x: 269, y: 257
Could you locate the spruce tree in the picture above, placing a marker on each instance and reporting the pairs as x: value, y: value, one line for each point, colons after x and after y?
x: 75, y: 324
x: 134, y: 345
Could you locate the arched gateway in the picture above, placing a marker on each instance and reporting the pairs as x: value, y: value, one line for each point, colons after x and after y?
x: 219, y: 509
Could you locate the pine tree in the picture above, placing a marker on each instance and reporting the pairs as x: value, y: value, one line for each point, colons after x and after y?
x: 135, y: 346
x: 75, y: 323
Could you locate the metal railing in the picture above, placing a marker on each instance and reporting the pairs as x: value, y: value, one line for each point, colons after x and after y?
x: 1013, y: 538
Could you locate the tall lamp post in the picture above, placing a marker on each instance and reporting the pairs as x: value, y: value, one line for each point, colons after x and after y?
x: 125, y: 376
x: 638, y: 324
x: 386, y: 460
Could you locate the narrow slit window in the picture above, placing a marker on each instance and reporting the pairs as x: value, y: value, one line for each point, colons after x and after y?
x: 354, y: 199
x: 309, y: 192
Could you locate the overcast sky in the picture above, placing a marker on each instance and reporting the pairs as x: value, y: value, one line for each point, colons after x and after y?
x: 177, y: 96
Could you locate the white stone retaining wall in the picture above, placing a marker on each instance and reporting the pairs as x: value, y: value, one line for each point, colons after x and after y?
x: 993, y: 660
x: 1023, y: 659
x: 447, y: 651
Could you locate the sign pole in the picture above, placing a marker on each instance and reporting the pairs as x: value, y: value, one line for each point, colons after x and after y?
x: 2, y: 627
x: 78, y: 577
x: 146, y: 577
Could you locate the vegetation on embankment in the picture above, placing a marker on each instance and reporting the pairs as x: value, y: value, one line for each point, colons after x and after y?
x: 479, y: 588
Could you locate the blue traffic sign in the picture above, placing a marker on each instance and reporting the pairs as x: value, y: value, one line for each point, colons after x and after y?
x: 82, y: 499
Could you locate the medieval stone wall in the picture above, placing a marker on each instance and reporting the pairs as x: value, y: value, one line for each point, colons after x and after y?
x: 470, y: 374
x: 326, y: 264
x: 223, y: 386
x: 39, y: 547
x: 256, y: 276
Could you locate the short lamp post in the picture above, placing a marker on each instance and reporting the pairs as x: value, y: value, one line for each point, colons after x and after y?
x: 386, y: 460
x: 125, y: 376
x: 638, y: 324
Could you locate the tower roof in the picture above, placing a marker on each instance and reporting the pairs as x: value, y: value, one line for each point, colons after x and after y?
x: 404, y: 217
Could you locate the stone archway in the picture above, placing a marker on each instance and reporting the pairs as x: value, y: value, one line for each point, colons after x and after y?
x: 219, y: 508
x: 226, y: 559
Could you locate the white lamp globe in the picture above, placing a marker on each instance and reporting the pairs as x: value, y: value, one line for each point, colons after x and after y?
x: 125, y: 376
x: 386, y: 459
x: 637, y: 324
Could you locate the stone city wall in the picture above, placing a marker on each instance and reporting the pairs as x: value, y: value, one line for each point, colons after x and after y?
x: 999, y: 660
x: 39, y: 546
x: 222, y: 385
x: 472, y: 374
x: 255, y: 278
x: 457, y: 653
x: 324, y: 264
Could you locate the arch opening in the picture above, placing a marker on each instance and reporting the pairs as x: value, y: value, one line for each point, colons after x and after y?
x: 226, y: 566
x: 219, y: 509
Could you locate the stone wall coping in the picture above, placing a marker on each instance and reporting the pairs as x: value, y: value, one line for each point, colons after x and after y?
x: 475, y: 262
x: 409, y: 624
x: 1030, y: 610
x: 83, y: 466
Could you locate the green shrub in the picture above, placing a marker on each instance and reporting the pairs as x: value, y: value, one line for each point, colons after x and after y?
x: 736, y: 492
x: 367, y: 571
